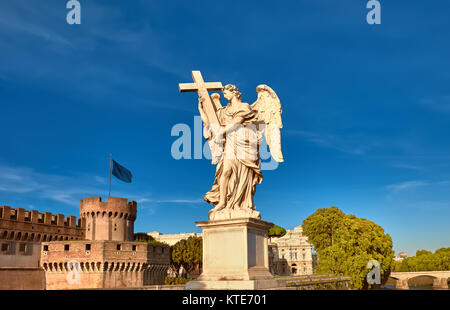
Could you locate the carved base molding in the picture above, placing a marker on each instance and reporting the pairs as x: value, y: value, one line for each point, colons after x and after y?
x: 228, y: 214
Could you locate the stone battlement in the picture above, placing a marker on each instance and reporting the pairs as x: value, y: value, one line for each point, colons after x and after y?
x: 23, y: 225
x: 112, y: 207
x: 36, y: 217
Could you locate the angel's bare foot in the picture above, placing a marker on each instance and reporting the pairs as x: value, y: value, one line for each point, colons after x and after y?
x: 218, y: 207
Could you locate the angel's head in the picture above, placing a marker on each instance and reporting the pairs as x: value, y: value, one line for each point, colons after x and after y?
x: 230, y: 91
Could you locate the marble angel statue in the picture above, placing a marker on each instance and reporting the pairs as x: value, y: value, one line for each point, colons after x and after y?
x: 235, y: 149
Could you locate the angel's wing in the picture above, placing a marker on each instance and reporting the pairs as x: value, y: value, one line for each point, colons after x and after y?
x: 268, y: 109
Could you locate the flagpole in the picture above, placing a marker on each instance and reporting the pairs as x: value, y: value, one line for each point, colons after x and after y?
x: 110, y: 162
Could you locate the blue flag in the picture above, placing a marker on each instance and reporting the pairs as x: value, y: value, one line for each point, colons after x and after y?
x: 121, y: 172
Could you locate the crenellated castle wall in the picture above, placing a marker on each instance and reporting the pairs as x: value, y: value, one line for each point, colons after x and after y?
x: 32, y: 226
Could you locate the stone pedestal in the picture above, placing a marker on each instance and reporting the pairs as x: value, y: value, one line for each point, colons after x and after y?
x: 235, y: 255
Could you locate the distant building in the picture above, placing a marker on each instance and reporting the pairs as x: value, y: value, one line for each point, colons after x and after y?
x: 291, y: 254
x: 400, y: 256
x: 171, y: 239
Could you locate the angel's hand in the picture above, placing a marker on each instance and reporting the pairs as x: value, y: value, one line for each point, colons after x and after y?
x: 207, y: 132
x: 219, y: 136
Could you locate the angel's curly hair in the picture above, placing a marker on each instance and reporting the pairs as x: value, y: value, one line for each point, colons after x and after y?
x: 232, y: 88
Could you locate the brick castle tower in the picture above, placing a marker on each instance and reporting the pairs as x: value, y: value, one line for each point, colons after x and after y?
x: 110, y: 220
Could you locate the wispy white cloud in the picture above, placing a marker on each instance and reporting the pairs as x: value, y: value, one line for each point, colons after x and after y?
x: 22, y: 18
x: 440, y: 103
x: 180, y: 201
x: 26, y: 181
x: 69, y: 190
x: 100, y: 180
x: 173, y: 200
x: 406, y: 166
x: 67, y: 57
x: 356, y: 144
x: 406, y: 185
x: 430, y: 205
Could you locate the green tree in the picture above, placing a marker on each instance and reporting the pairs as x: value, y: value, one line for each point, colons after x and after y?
x: 188, y: 253
x: 427, y: 261
x: 143, y: 237
x: 277, y: 231
x: 423, y: 252
x: 346, y: 243
x: 321, y: 226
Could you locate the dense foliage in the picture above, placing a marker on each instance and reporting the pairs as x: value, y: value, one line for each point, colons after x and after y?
x: 143, y: 237
x: 425, y: 261
x: 346, y: 243
x: 277, y: 231
x: 188, y: 252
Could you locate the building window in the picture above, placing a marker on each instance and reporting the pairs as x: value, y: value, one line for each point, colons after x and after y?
x: 22, y: 247
x: 45, y: 248
x: 88, y: 247
x: 5, y: 248
x: 66, y: 247
x: 134, y: 247
x: 118, y: 247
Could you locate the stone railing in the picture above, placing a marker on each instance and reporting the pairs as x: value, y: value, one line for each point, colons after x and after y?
x: 312, y: 282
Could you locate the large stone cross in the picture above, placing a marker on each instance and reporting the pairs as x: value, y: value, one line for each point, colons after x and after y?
x: 202, y: 88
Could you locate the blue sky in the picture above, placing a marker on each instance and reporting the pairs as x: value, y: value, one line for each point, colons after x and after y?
x: 366, y: 108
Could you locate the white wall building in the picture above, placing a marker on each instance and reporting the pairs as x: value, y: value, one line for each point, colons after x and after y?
x: 171, y: 239
x: 291, y: 254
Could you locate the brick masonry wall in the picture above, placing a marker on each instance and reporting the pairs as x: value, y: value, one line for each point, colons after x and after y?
x: 107, y: 264
x: 20, y: 278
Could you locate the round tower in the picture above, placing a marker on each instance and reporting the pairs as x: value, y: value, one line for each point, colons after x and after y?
x: 109, y: 220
